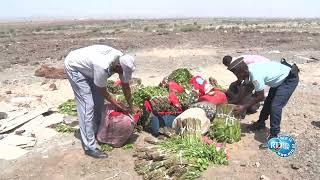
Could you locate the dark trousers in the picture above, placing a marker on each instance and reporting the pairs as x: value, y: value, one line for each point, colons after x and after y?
x: 277, y: 98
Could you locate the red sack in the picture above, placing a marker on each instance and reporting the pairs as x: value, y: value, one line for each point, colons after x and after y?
x: 174, y: 100
x: 116, y: 128
x: 199, y: 84
x: 175, y: 87
x: 216, y: 98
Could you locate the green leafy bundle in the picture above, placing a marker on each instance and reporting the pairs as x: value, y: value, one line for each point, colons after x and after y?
x: 192, y: 148
x: 181, y: 76
x: 146, y: 93
x: 225, y: 127
x: 162, y: 104
x: 187, y: 98
x: 180, y: 157
x: 69, y: 107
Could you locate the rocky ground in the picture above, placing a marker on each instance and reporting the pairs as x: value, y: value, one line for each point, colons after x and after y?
x: 160, y: 47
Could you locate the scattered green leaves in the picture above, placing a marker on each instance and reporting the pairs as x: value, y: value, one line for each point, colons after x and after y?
x: 69, y: 107
x: 127, y: 147
x: 106, y: 148
x: 64, y: 128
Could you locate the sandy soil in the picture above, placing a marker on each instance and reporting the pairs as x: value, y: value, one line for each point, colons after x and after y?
x: 157, y: 54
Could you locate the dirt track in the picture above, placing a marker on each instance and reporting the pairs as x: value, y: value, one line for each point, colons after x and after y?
x: 61, y: 157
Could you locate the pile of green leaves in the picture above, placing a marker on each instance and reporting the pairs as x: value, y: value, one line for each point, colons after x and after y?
x: 180, y: 157
x: 162, y: 104
x: 69, y: 107
x: 146, y: 93
x: 181, y: 76
x: 64, y: 128
x: 225, y: 127
x: 192, y: 148
x: 187, y: 98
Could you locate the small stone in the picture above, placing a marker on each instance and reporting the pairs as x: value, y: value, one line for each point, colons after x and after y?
x: 3, y: 115
x: 45, y: 82
x: 278, y: 171
x: 53, y: 87
x: 35, y: 63
x: 314, y: 83
x: 257, y: 164
x: 295, y: 166
x: 71, y: 120
x: 20, y: 132
x: 263, y: 177
x: 82, y: 173
x: 8, y: 92
x: 305, y: 116
x: 243, y: 164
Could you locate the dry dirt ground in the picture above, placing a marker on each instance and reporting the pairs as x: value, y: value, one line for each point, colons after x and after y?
x: 161, y: 46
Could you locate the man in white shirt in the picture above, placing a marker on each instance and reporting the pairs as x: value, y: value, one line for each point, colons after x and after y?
x: 87, y: 70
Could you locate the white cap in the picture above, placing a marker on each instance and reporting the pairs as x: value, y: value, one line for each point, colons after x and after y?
x: 128, y: 66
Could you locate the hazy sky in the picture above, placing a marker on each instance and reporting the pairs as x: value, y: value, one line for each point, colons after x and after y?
x: 158, y: 8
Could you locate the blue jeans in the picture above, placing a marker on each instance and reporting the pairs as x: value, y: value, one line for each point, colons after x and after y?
x: 277, y: 98
x: 155, y: 123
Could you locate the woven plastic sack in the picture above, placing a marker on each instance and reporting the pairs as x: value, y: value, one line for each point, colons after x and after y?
x: 116, y: 128
x: 208, y: 107
x: 192, y: 114
x: 216, y: 97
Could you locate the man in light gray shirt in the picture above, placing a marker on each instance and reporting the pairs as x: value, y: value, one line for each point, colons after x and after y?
x: 87, y: 70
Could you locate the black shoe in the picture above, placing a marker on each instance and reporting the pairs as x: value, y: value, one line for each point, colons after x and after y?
x: 96, y: 154
x: 256, y: 126
x: 265, y: 145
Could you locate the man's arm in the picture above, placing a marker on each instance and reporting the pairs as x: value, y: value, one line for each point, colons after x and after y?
x: 258, y: 97
x: 233, y: 93
x: 127, y: 93
x: 109, y: 98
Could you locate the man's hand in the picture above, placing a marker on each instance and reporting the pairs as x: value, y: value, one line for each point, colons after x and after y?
x: 134, y: 110
x: 110, y: 99
x: 239, y: 109
x: 121, y: 107
x: 259, y: 96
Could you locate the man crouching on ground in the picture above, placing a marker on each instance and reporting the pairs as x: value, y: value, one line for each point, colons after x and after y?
x: 283, y: 80
x: 87, y: 70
